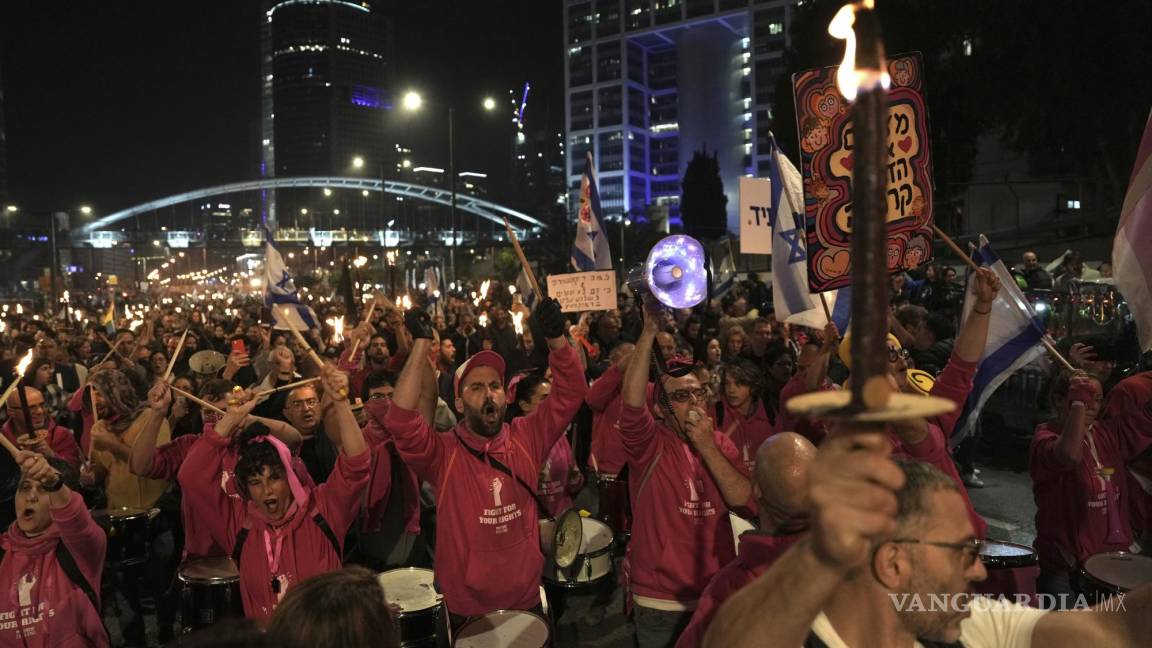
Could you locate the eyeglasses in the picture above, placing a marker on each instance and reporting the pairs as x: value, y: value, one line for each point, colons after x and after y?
x: 375, y: 397
x: 686, y: 395
x: 971, y: 548
x: 896, y: 354
x: 300, y: 404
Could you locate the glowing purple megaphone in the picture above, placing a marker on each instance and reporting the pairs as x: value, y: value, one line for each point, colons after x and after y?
x: 675, y: 272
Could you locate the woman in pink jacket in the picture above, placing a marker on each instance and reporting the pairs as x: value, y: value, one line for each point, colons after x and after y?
x: 51, y: 561
x: 277, y: 531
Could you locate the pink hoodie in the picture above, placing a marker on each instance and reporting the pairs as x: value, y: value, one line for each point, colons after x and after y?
x: 294, y: 549
x: 487, y: 537
x: 60, y: 439
x: 35, y: 593
x: 746, y: 432
x: 608, y: 456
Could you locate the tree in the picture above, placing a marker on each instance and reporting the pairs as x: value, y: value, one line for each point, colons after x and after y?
x: 703, y: 205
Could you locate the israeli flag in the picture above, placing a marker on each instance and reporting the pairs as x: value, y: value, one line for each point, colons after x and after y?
x: 590, y: 250
x: 790, y: 295
x: 1014, y: 336
x: 280, y: 293
x: 527, y: 292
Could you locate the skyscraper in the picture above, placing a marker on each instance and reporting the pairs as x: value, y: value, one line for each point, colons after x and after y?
x: 3, y: 147
x: 649, y: 82
x: 323, y: 76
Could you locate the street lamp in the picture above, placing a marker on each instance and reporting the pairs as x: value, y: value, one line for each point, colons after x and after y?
x: 358, y: 162
x: 86, y: 210
x: 489, y: 104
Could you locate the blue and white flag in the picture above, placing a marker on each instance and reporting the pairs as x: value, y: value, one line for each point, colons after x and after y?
x: 280, y: 293
x: 790, y: 296
x: 590, y: 250
x: 1014, y: 336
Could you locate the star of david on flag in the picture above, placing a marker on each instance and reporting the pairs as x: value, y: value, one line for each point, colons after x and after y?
x: 590, y: 250
x: 280, y: 291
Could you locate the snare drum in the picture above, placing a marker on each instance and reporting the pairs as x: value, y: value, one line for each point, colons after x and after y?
x: 210, y: 592
x: 127, y: 531
x: 1012, y: 570
x: 593, y: 562
x: 504, y: 629
x: 1115, y: 572
x: 411, y: 589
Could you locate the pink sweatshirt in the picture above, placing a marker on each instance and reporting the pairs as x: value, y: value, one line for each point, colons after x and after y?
x: 60, y: 439
x: 294, y: 549
x: 379, y: 485
x: 554, y: 488
x: 757, y: 553
x: 487, y: 536
x: 746, y: 432
x: 608, y: 456
x: 37, y: 597
x: 681, y: 535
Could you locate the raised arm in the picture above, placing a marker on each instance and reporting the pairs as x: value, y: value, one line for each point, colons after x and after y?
x: 733, y: 484
x: 1069, y: 448
x: 407, y: 394
x: 974, y: 332
x: 634, y: 389
x: 816, y: 373
x: 1125, y: 625
x: 852, y: 490
x: 351, y: 438
x: 144, y: 448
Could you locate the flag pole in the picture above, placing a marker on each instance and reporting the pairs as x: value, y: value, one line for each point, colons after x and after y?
x: 523, y: 259
x: 1056, y: 355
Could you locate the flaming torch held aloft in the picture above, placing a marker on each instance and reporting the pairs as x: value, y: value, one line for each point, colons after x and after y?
x: 337, y: 324
x: 20, y: 369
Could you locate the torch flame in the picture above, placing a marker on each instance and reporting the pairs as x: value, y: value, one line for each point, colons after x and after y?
x: 483, y: 319
x: 337, y: 325
x: 3, y: 326
x: 407, y: 301
x: 135, y: 325
x: 19, y: 309
x: 518, y: 322
x: 24, y: 362
x: 850, y: 79
x: 484, y: 289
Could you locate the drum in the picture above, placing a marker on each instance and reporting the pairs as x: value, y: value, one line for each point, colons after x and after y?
x: 411, y: 589
x: 504, y: 629
x: 127, y: 531
x: 1012, y: 570
x: 1115, y: 572
x: 210, y: 592
x: 614, y: 504
x: 593, y: 560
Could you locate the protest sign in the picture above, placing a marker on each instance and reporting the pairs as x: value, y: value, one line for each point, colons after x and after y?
x: 584, y: 291
x: 755, y: 224
x: 824, y: 119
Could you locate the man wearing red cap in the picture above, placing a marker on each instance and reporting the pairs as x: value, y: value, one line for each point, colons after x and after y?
x: 484, y: 471
x: 685, y: 476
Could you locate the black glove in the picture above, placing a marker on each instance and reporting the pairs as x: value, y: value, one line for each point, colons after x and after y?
x: 419, y: 324
x: 550, y: 319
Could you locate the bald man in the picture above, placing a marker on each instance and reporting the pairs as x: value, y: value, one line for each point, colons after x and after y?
x: 44, y: 437
x: 780, y: 488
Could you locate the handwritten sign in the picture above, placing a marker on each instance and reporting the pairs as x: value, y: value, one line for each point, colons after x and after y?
x: 584, y: 291
x: 827, y: 154
x: 755, y: 224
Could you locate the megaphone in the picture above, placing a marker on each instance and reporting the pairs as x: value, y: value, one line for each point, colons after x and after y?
x: 676, y: 272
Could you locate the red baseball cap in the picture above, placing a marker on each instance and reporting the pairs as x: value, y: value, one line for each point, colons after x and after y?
x: 481, y: 359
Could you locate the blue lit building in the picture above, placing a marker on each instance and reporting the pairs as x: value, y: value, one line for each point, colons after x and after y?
x: 649, y: 82
x: 323, y: 79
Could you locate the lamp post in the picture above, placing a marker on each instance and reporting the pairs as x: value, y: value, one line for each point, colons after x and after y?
x: 412, y: 102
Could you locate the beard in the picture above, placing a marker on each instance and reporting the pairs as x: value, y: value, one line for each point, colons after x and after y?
x: 486, y: 420
x: 934, y: 625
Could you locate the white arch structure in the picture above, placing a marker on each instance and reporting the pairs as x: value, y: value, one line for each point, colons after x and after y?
x: 464, y: 202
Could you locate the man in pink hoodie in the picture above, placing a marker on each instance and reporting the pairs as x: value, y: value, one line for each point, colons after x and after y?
x: 487, y: 536
x: 685, y: 476
x: 278, y: 532
x: 44, y: 437
x: 51, y: 560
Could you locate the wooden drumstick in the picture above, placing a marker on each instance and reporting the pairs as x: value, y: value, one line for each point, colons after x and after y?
x: 175, y: 355
x: 293, y: 385
x: 199, y: 401
x: 302, y: 341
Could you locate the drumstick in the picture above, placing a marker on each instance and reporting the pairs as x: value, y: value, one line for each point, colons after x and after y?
x: 352, y: 353
x: 293, y: 385
x: 176, y: 354
x: 95, y: 420
x: 114, y: 349
x: 303, y: 342
x: 199, y: 401
x: 523, y: 259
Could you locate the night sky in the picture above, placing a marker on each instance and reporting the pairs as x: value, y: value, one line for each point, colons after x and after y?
x: 115, y: 103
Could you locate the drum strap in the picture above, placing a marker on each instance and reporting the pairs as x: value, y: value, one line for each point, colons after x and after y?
x: 648, y: 474
x: 489, y: 460
x: 72, y: 571
x: 318, y: 519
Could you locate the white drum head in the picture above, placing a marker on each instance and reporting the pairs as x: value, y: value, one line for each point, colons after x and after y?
x: 1120, y: 569
x: 504, y: 629
x: 409, y: 588
x: 597, y: 536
